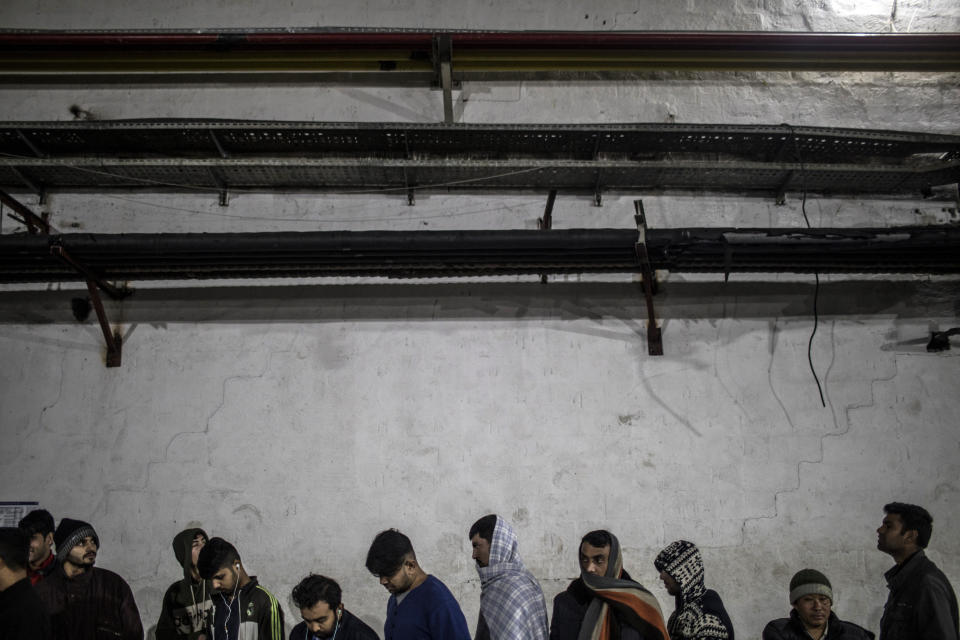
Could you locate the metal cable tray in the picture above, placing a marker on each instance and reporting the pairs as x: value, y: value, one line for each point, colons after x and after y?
x: 218, y: 156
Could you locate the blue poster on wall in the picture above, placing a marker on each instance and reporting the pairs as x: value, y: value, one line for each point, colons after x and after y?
x: 11, y: 512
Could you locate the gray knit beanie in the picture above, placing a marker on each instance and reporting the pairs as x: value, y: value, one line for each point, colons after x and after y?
x: 809, y: 581
x: 69, y: 534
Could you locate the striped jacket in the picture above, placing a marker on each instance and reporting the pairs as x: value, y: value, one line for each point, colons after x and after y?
x: 260, y: 615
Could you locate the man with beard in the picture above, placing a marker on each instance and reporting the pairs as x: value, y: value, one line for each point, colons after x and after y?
x: 699, y: 613
x: 811, y: 618
x: 86, y: 602
x: 921, y: 604
x: 604, y: 602
x: 22, y: 615
x: 512, y: 606
x: 187, y: 610
x: 321, y: 606
x: 242, y: 607
x: 38, y: 525
x: 420, y: 606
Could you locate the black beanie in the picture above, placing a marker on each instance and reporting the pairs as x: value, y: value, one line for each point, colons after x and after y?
x: 69, y: 534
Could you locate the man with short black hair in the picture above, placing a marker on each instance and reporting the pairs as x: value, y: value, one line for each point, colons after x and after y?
x: 187, y: 610
x: 84, y: 601
x: 512, y: 606
x: 699, y: 612
x: 38, y: 525
x: 420, y: 606
x: 22, y: 615
x: 922, y: 605
x: 812, y: 618
x: 604, y: 598
x: 244, y: 607
x: 321, y: 606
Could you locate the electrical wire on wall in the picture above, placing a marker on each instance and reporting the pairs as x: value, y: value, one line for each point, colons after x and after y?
x: 816, y: 275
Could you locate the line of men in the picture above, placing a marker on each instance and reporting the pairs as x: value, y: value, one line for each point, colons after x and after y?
x: 63, y: 596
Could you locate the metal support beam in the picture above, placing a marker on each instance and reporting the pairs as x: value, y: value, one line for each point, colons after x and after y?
x: 216, y: 141
x: 113, y: 339
x: 28, y: 183
x: 445, y: 60
x: 654, y: 335
x: 546, y: 222
x: 35, y: 224
x: 27, y: 141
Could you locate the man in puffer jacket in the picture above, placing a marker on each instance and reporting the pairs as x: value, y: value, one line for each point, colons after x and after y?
x: 187, y: 608
x: 811, y: 618
x: 699, y: 613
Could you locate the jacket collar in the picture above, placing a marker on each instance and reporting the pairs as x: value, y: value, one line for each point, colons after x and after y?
x: 899, y: 574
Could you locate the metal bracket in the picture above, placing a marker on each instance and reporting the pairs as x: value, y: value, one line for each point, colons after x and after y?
x: 546, y: 222
x: 781, y: 193
x: 113, y: 339
x: 411, y: 192
x: 654, y: 335
x: 222, y: 185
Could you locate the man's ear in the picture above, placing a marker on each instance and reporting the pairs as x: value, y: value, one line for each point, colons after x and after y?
x: 911, y: 535
x: 49, y: 539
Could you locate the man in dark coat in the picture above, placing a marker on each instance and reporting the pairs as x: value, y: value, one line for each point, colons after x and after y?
x: 187, y: 610
x: 22, y: 615
x: 86, y: 602
x: 38, y: 525
x: 922, y: 605
x: 604, y: 599
x: 811, y: 618
x: 321, y: 606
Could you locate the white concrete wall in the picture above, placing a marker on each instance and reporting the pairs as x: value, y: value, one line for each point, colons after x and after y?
x: 298, y: 421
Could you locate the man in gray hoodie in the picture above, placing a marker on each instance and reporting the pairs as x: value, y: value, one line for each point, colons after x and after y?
x: 187, y: 608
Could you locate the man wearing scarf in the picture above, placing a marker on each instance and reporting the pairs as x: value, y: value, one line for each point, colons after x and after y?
x: 512, y: 606
x: 604, y: 603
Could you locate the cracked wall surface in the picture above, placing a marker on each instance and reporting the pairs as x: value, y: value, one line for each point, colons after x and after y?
x: 299, y: 420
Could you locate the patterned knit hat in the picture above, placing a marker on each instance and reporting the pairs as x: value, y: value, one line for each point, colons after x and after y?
x: 682, y: 562
x: 69, y: 534
x: 807, y: 582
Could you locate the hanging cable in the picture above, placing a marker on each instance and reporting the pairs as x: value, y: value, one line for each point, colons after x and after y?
x: 816, y: 275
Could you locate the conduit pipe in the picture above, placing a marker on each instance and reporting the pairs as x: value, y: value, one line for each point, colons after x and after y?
x: 404, y: 56
x: 401, y: 254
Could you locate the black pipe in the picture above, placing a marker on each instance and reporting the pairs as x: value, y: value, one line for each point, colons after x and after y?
x: 406, y: 254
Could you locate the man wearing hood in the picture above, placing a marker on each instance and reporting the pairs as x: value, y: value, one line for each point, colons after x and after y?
x: 604, y: 603
x: 512, y: 606
x: 811, y: 618
x: 699, y: 613
x: 187, y: 605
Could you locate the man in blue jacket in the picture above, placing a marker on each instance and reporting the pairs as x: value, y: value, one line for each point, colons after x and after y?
x: 420, y: 606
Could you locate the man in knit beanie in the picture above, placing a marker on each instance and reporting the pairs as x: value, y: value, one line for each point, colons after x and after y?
x: 84, y: 601
x: 811, y: 595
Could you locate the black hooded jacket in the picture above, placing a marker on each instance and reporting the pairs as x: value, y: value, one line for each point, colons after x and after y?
x: 187, y: 608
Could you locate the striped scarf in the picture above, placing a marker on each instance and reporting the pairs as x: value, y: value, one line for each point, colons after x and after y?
x: 632, y: 605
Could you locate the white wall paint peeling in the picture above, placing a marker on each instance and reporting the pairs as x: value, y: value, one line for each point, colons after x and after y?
x: 300, y: 422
